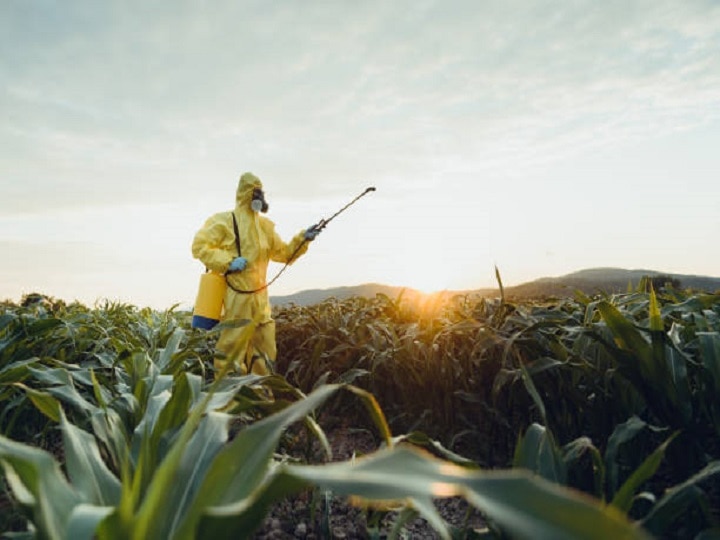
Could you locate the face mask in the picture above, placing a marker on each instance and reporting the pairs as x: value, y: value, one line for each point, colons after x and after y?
x: 258, y: 203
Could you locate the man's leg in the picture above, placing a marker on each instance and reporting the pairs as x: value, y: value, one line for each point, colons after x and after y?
x: 263, y: 347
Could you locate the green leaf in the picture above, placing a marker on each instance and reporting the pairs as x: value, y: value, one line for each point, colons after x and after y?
x: 421, y: 440
x: 88, y: 472
x: 537, y: 452
x: 572, y: 454
x: 656, y: 322
x: 677, y: 500
x: 155, y: 404
x: 500, y: 285
x: 109, y: 429
x: 532, y: 390
x: 524, y: 505
x: 206, y: 442
x: 627, y: 336
x: 69, y: 394
x: 543, y: 364
x: 51, y: 376
x: 244, y: 464
x: 17, y: 371
x: 84, y: 521
x: 146, y: 524
x: 174, y: 411
x: 44, y: 402
x: 374, y: 410
x: 98, y: 390
x: 624, y: 496
x: 710, y: 356
x: 676, y: 385
x: 622, y: 434
x: 35, y: 477
x: 171, y: 347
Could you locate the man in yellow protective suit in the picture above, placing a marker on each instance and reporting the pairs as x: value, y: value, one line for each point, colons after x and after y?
x: 246, y: 272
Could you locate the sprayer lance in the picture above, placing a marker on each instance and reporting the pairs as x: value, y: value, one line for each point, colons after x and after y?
x: 320, y: 225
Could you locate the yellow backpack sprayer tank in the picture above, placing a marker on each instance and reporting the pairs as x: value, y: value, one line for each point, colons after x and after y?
x: 209, y: 302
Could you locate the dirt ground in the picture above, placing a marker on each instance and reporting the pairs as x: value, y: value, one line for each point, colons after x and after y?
x: 336, y: 518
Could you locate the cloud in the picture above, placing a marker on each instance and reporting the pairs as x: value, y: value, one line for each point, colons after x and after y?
x: 148, y: 100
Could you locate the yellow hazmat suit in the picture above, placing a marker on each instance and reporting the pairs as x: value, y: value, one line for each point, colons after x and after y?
x: 214, y: 245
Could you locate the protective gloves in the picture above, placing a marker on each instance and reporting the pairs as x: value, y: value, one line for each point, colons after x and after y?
x: 238, y: 264
x: 312, y: 232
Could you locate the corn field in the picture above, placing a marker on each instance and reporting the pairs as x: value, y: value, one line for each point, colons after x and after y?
x: 592, y: 417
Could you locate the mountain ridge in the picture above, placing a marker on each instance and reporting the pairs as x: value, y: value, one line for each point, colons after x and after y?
x: 588, y: 280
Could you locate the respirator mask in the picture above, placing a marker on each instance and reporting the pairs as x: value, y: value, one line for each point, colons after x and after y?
x: 258, y: 203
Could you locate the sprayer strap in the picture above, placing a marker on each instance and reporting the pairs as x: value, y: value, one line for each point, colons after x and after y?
x: 237, y: 245
x: 237, y: 234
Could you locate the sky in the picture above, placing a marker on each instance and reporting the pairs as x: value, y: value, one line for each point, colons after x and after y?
x: 541, y: 137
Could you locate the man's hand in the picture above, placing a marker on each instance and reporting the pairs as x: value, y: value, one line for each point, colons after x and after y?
x: 238, y: 264
x: 312, y: 232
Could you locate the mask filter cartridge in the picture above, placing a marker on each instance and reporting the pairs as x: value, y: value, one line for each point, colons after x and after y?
x: 258, y: 203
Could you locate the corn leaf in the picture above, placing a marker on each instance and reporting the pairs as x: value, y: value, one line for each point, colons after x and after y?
x: 35, y: 477
x: 243, y: 465
x: 84, y: 521
x: 656, y: 322
x: 523, y: 504
x: 109, y: 430
x: 622, y: 434
x: 206, y: 442
x: 146, y: 524
x: 68, y: 394
x: 627, y: 336
x: 16, y: 371
x: 43, y: 401
x: 624, y: 496
x: 572, y: 454
x: 171, y: 348
x: 87, y: 471
x: 532, y: 390
x: 537, y: 452
x: 710, y: 356
x: 675, y: 502
x: 374, y: 410
x: 100, y: 392
x: 51, y: 376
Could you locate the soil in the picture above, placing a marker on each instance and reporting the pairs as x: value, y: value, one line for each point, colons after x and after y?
x: 306, y: 517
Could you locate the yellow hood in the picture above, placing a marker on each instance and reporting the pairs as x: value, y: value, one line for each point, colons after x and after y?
x: 248, y: 182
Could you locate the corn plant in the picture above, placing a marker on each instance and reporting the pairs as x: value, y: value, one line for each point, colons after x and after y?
x: 206, y: 487
x: 595, y: 362
x: 475, y: 374
x: 624, y: 470
x: 580, y: 462
x: 660, y: 351
x: 465, y: 362
x: 157, y: 462
x: 60, y: 345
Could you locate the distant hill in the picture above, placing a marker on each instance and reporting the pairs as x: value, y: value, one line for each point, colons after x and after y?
x: 589, y: 281
x: 315, y: 296
x: 608, y: 280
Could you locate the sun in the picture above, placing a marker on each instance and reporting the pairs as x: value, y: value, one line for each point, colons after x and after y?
x: 427, y: 282
x: 427, y: 287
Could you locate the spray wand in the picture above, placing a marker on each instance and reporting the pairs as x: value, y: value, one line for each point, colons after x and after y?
x: 319, y: 226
